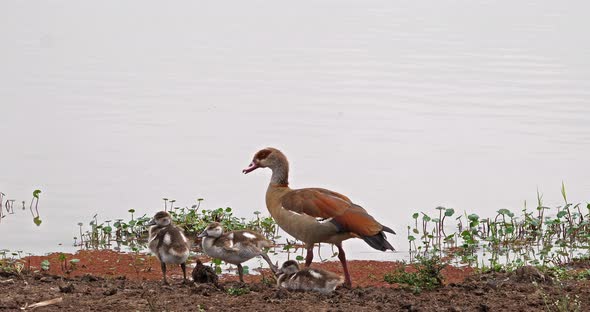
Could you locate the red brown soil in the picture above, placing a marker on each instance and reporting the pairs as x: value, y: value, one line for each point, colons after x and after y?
x: 107, y: 263
x: 110, y: 281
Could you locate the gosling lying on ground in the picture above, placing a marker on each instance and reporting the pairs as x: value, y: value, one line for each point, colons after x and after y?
x: 168, y: 243
x: 204, y: 274
x: 235, y: 247
x: 291, y: 277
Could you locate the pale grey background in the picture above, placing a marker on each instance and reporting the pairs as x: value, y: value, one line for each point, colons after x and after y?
x: 402, y: 106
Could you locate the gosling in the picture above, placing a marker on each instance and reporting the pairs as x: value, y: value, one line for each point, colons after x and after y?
x: 289, y: 276
x: 168, y: 243
x: 204, y: 274
x: 235, y: 247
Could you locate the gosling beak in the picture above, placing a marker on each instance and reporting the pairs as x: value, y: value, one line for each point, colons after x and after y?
x: 152, y: 222
x: 203, y: 234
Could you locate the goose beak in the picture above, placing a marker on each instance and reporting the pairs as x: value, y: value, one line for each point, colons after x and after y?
x: 250, y: 168
x: 203, y: 234
x: 152, y: 222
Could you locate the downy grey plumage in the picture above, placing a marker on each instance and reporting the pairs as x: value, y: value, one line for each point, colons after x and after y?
x: 291, y: 277
x: 168, y: 243
x: 235, y: 247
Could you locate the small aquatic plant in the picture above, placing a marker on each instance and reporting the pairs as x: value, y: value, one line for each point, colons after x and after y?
x: 132, y: 234
x: 238, y: 291
x: 36, y: 217
x: 427, y: 274
x: 507, y: 239
x: 45, y: 265
x: 563, y: 303
x: 11, y: 262
x: 66, y: 266
x: 9, y: 206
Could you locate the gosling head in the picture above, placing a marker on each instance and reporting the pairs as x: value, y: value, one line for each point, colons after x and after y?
x: 213, y: 230
x: 289, y: 267
x: 161, y: 218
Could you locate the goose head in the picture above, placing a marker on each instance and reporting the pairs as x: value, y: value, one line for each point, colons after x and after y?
x: 161, y: 219
x: 213, y: 230
x: 267, y: 158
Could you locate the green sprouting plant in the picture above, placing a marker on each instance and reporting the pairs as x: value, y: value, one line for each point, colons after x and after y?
x: 245, y: 269
x: 265, y: 225
x: 66, y: 266
x: 583, y: 275
x: 427, y: 275
x: 217, y: 265
x: 292, y: 247
x: 9, y: 206
x: 36, y: 217
x: 18, y: 267
x: 133, y: 233
x: 45, y: 265
x: 238, y: 291
x: 269, y: 280
x: 506, y: 240
x: 558, y: 273
x: 140, y: 263
x: 563, y: 303
x: 13, y: 262
x: 11, y: 265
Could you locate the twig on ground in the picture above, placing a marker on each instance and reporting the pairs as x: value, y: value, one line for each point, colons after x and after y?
x: 43, y: 303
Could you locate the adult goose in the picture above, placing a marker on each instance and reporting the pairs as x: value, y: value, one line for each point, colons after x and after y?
x: 316, y: 215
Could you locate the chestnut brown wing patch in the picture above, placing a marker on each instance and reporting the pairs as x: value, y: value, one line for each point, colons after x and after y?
x: 324, y: 204
x: 357, y: 220
x: 315, y: 203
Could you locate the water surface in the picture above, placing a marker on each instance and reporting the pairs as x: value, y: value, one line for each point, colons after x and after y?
x: 108, y: 106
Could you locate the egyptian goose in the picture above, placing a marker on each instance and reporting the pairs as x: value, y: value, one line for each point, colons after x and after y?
x: 291, y: 277
x: 315, y: 215
x: 168, y: 243
x: 234, y: 247
x: 204, y: 274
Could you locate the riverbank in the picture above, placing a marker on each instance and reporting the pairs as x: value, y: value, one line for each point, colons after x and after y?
x: 107, y: 280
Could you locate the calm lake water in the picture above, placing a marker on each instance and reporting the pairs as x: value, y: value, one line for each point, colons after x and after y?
x: 402, y: 106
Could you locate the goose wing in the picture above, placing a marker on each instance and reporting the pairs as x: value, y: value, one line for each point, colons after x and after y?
x: 328, y: 205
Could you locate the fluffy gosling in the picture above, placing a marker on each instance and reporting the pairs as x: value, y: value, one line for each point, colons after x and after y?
x: 234, y: 247
x: 168, y: 243
x: 291, y: 277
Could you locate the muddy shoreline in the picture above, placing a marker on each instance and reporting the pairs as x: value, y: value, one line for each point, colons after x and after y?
x: 124, y: 289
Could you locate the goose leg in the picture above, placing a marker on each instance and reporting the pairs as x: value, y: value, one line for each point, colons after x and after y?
x: 240, y: 272
x: 163, y: 265
x: 273, y: 267
x: 342, y: 257
x: 309, y: 256
x: 183, y: 267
